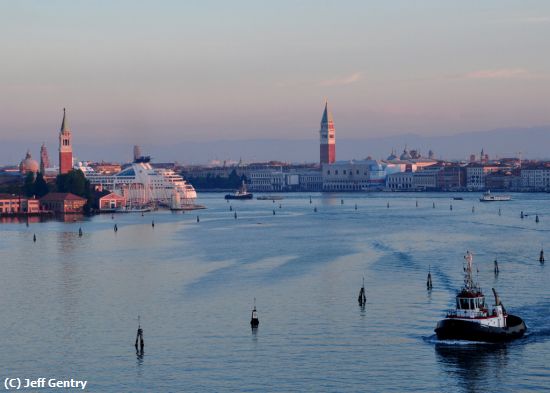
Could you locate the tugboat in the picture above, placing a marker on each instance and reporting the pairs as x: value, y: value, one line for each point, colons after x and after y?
x: 241, y: 193
x: 472, y: 320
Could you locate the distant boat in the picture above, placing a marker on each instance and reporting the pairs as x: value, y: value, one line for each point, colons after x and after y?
x: 458, y: 198
x: 488, y: 197
x: 270, y: 198
x: 241, y: 193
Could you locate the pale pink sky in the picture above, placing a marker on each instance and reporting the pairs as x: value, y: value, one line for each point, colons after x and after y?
x: 193, y: 71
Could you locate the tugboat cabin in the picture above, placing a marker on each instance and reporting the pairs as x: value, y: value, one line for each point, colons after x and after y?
x: 469, y: 305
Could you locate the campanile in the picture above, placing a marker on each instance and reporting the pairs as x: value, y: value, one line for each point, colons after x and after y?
x: 328, y: 139
x: 65, y: 147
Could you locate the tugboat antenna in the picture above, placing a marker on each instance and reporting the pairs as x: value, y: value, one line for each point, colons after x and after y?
x: 468, y: 282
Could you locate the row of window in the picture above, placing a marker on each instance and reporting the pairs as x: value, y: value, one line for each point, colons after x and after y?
x: 345, y: 172
x: 470, y: 304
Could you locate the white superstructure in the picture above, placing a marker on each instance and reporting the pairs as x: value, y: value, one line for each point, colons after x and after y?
x: 488, y: 197
x: 143, y: 185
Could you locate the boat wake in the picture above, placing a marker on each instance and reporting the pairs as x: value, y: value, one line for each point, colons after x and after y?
x: 435, y: 341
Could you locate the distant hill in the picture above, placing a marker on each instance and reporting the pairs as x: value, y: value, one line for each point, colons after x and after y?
x: 533, y: 142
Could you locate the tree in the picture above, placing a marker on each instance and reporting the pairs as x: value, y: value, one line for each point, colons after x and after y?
x: 40, y: 186
x: 28, y: 186
x: 76, y: 183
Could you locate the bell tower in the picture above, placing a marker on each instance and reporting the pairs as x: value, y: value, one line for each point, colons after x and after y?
x: 65, y: 147
x: 328, y: 138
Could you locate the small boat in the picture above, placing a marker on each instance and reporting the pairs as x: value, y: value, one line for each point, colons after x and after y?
x: 241, y: 193
x: 488, y: 197
x: 458, y: 198
x: 473, y: 320
x: 270, y: 198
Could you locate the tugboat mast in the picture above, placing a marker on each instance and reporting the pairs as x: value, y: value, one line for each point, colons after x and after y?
x: 468, y: 280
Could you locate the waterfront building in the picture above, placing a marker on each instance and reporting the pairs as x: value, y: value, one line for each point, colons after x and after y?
x: 451, y: 177
x: 111, y: 202
x: 327, y: 138
x: 310, y: 180
x: 44, y: 159
x: 441, y: 176
x: 475, y: 175
x: 14, y: 204
x: 502, y: 180
x: 28, y: 165
x: 65, y: 146
x: 62, y: 202
x: 285, y: 179
x: 535, y: 177
x: 354, y: 175
x: 426, y: 179
x: 400, y: 181
x: 267, y: 180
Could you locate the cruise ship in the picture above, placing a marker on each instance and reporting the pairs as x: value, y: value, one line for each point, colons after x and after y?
x: 145, y: 186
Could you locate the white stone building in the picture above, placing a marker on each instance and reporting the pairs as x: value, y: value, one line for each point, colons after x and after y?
x: 400, y: 181
x: 354, y: 175
x: 475, y: 175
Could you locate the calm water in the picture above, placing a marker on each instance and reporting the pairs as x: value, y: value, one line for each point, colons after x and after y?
x: 69, y: 305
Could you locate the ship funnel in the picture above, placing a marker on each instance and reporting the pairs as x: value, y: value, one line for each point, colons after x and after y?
x: 497, y: 298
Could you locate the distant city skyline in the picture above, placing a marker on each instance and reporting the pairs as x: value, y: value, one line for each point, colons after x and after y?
x: 175, y: 73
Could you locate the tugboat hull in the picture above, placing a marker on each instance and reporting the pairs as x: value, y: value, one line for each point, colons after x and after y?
x: 231, y: 196
x: 460, y: 329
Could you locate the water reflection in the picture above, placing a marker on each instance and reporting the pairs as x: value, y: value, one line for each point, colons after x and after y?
x: 39, y: 219
x: 139, y: 361
x: 330, y: 199
x: 473, y: 364
x: 21, y: 220
x: 71, y: 217
x: 254, y: 335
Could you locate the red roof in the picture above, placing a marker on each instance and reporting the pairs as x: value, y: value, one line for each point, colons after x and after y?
x: 112, y: 195
x: 61, y: 196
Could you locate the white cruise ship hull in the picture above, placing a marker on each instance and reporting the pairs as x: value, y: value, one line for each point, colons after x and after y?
x: 144, y: 186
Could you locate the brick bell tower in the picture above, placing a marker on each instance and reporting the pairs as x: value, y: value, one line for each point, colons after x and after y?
x: 65, y: 147
x: 328, y: 138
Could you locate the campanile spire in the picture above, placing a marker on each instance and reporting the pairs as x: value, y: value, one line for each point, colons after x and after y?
x: 327, y: 137
x: 65, y: 146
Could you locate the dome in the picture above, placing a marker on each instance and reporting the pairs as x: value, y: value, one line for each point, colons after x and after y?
x: 28, y: 164
x: 392, y: 156
x: 406, y: 155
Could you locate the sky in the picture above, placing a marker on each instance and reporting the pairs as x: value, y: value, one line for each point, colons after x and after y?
x: 171, y: 72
